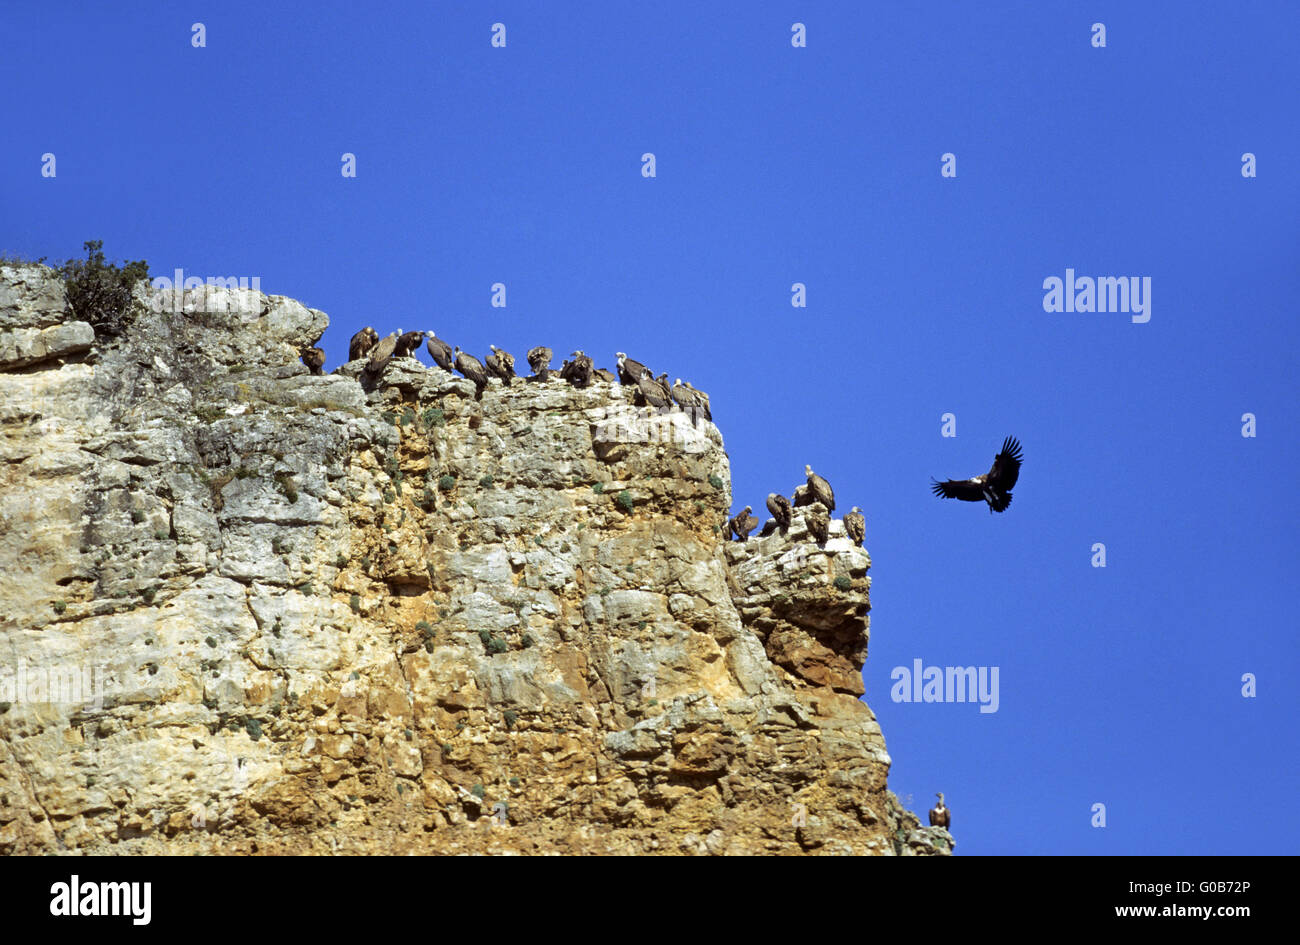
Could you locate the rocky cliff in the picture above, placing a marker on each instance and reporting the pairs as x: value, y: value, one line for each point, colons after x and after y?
x: 248, y: 609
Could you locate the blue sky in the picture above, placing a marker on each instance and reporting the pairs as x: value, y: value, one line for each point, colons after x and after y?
x: 820, y: 165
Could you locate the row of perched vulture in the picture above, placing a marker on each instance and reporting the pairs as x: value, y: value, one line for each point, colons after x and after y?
x: 579, y: 370
x: 819, y: 499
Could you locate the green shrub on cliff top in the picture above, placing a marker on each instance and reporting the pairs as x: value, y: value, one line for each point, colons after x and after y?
x: 99, y: 291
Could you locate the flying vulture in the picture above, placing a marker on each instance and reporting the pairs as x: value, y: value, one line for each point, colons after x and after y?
x: 940, y: 816
x: 381, y: 353
x: 856, y: 526
x: 629, y: 371
x: 314, y: 358
x: 472, y: 368
x: 439, y: 350
x: 819, y: 490
x: 361, y: 343
x: 779, y: 506
x: 994, y: 487
x: 818, y: 521
x: 407, y: 342
x: 501, y: 364
x: 539, y: 359
x: 743, y: 524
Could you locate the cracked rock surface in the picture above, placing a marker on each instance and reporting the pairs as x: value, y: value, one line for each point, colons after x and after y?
x: 247, y: 609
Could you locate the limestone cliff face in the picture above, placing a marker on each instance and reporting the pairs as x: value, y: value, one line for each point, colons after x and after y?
x: 246, y: 609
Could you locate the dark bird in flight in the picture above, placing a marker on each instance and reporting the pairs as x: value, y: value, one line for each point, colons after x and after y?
x: 361, y: 343
x: 439, y: 350
x: 994, y: 487
x: 940, y: 815
x: 314, y: 358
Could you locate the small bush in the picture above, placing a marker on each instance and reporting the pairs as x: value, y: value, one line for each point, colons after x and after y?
x: 511, y: 717
x: 497, y: 645
x: 478, y: 791
x: 137, y: 517
x: 843, y: 583
x: 447, y: 483
x: 159, y: 535
x: 60, y: 606
x: 433, y: 417
x: 340, y: 562
x: 527, y: 641
x: 486, y: 482
x: 625, y: 501
x: 148, y: 594
x: 306, y: 588
x: 715, y: 481
x: 254, y: 728
x: 355, y: 603
x: 446, y: 748
x: 424, y: 629
x: 598, y: 488
x: 211, y: 641
x: 99, y: 292
x: 514, y: 782
x: 389, y: 496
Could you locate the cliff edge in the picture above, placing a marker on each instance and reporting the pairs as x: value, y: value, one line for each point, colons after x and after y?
x: 247, y: 609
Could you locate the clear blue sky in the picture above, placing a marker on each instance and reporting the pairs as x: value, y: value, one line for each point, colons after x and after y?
x: 819, y: 165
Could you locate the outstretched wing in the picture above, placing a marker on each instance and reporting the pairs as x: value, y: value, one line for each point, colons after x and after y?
x: 1006, y: 466
x: 962, y: 489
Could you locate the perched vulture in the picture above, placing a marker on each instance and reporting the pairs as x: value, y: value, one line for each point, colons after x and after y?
x: 439, y: 350
x: 407, y: 342
x: 578, y: 371
x: 501, y: 364
x: 539, y: 359
x: 782, y: 514
x: 818, y: 521
x: 314, y: 358
x: 362, y: 342
x: 743, y: 524
x: 769, y: 527
x: 802, y: 496
x: 704, y: 401
x: 819, y: 489
x: 653, y: 394
x: 726, y: 529
x: 940, y: 816
x: 856, y: 526
x: 629, y: 371
x: 472, y: 368
x: 381, y: 354
x: 994, y: 487
x: 604, y: 374
x: 689, y: 400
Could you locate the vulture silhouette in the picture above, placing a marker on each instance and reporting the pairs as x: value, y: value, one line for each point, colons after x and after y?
x: 994, y: 487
